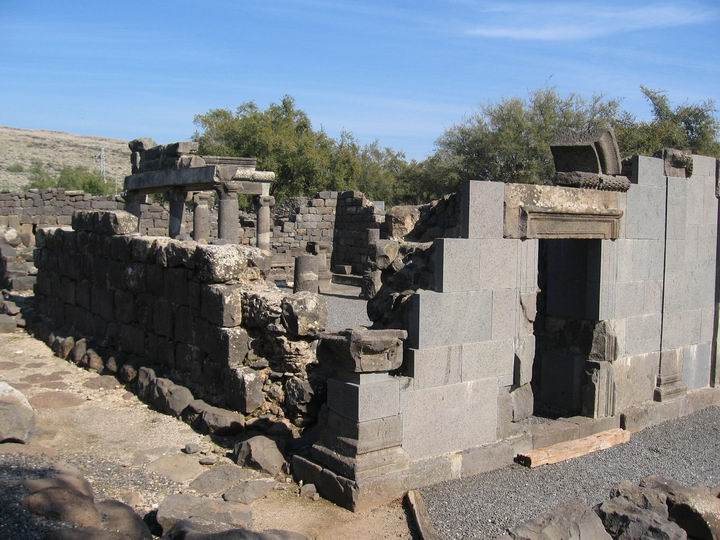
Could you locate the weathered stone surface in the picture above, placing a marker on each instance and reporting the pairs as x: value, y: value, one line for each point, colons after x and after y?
x: 219, y: 263
x: 401, y: 220
x: 522, y: 402
x: 207, y: 515
x: 261, y: 453
x: 362, y: 351
x: 185, y: 530
x: 17, y: 418
x: 622, y: 519
x: 570, y: 522
x: 107, y: 222
x: 384, y: 253
x: 145, y: 383
x: 214, y: 420
x: 60, y: 480
x: 298, y: 394
x: 219, y: 479
x: 248, y: 491
x: 304, y: 314
x: 306, y: 276
x: 119, y: 517
x: 65, y: 505
x: 169, y: 397
x: 177, y: 467
x: 222, y: 304
x: 243, y: 388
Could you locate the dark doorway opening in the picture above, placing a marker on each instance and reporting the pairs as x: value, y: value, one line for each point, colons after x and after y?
x: 568, y: 309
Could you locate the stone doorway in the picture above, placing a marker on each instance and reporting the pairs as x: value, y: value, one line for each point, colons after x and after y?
x: 568, y: 311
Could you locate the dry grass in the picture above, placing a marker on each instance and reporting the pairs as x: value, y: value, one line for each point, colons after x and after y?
x: 55, y: 150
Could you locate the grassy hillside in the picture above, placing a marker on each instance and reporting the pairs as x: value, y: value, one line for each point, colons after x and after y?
x: 19, y: 148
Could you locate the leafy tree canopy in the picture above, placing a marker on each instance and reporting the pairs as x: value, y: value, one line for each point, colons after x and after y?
x: 70, y: 178
x: 507, y: 141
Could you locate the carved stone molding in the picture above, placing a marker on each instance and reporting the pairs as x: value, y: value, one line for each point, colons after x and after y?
x: 536, y: 222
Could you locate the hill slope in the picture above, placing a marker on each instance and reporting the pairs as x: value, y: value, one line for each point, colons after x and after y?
x: 19, y: 148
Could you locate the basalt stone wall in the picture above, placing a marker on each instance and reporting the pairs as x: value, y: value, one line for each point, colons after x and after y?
x: 200, y: 315
x: 355, y: 216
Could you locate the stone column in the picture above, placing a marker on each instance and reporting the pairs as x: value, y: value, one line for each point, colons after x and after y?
x: 264, y: 221
x: 321, y: 250
x: 229, y: 212
x: 306, y: 274
x: 201, y: 216
x: 177, y: 211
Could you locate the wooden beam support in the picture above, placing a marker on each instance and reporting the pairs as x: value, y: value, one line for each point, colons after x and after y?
x: 573, y: 449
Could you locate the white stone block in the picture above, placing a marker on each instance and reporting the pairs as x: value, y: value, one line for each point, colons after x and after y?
x: 696, y: 365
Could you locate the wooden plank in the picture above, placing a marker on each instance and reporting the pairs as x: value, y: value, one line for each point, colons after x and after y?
x: 572, y: 449
x: 425, y: 529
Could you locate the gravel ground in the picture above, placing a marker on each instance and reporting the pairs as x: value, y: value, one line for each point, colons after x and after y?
x: 484, y: 506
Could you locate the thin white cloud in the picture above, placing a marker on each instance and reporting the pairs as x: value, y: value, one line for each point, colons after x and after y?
x: 562, y: 21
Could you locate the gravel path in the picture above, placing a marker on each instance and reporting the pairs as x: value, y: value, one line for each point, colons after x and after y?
x: 484, y: 506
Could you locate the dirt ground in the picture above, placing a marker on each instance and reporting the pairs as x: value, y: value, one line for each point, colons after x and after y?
x: 132, y: 453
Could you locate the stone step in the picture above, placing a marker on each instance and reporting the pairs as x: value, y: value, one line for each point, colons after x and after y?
x: 347, y: 279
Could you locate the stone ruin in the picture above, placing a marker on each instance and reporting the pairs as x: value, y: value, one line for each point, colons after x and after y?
x: 591, y: 303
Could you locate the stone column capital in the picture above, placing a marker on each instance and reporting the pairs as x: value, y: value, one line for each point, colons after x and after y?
x: 266, y: 200
x: 229, y: 189
x: 201, y: 197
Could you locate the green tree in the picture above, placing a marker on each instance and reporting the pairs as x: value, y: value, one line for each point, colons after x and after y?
x: 691, y: 127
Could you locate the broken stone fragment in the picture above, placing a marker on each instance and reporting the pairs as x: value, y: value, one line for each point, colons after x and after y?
x: 214, y: 420
x: 362, y: 351
x: 384, y: 252
x: 105, y: 222
x: 17, y: 418
x: 572, y: 521
x: 208, y: 515
x: 304, y: 314
x: 261, y: 453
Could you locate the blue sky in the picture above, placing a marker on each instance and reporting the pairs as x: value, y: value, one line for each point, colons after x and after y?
x: 400, y: 72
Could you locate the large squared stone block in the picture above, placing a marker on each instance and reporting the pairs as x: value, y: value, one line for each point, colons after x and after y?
x: 475, y: 264
x: 222, y: 304
x: 504, y: 313
x: 362, y: 401
x: 642, y: 334
x: 635, y: 378
x: 648, y: 171
x: 676, y: 208
x: 697, y: 365
x: 630, y: 299
x: 439, y: 319
x: 680, y: 328
x: 645, y: 212
x: 449, y: 418
x: 439, y: 366
x: 481, y: 209
x: 489, y: 359
x: 703, y: 166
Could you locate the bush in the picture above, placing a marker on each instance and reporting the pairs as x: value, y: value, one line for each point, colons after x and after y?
x: 70, y: 178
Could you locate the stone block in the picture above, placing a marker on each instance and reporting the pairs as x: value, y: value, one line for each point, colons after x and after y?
x: 522, y: 400
x: 681, y: 328
x: 635, y: 378
x: 481, y: 209
x: 703, y: 166
x: 528, y: 265
x: 645, y: 212
x: 550, y: 433
x: 504, y: 313
x: 642, y: 334
x: 362, y: 351
x: 102, y: 303
x: 222, y: 304
x: 648, y: 171
x: 523, y: 360
x: 438, y: 319
x: 243, y: 389
x: 697, y: 365
x: 434, y: 367
x: 630, y: 299
x: 487, y: 458
x: 488, y: 359
x: 449, y: 418
x: 362, y: 437
x: 377, y: 398
x: 163, y: 315
x: 475, y: 264
x: 651, y: 413
x: 676, y: 208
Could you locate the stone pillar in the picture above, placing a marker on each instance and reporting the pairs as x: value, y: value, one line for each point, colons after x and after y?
x: 201, y: 216
x: 306, y: 273
x: 359, y: 448
x: 177, y: 211
x: 229, y: 212
x: 133, y: 202
x: 670, y: 378
x: 322, y: 251
x: 264, y: 221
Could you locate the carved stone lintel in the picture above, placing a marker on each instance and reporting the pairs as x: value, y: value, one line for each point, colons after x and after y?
x: 538, y: 222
